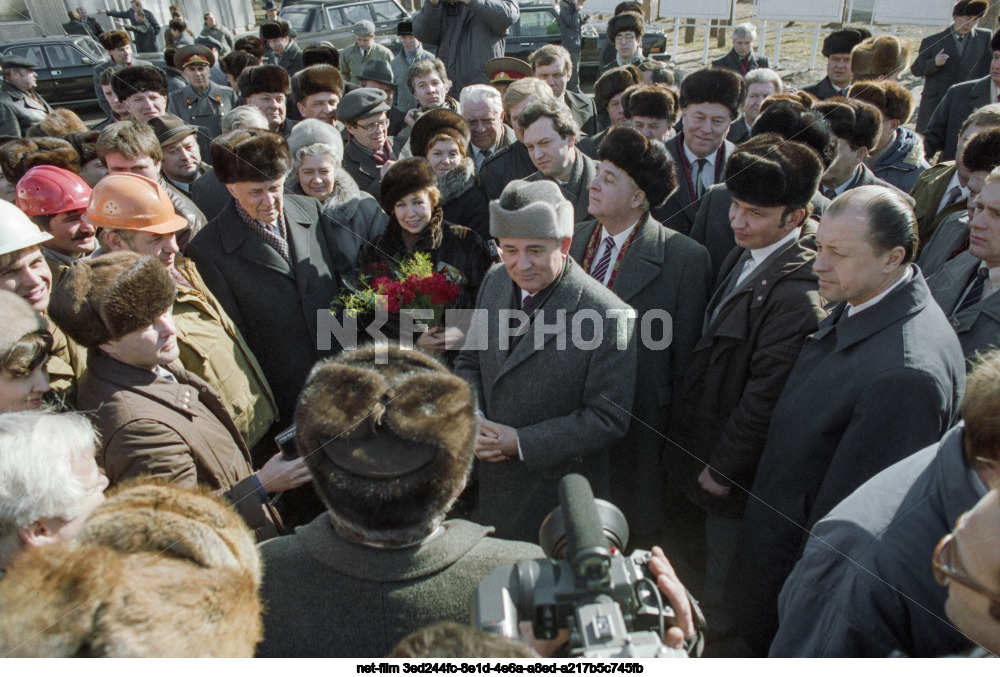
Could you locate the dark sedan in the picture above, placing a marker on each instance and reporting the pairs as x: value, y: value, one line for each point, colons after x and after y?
x: 539, y: 25
x: 65, y: 66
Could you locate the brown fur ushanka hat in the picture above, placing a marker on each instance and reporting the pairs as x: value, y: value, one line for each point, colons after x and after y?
x: 388, y: 435
x: 317, y: 79
x: 404, y: 177
x: 158, y: 571
x: 110, y: 296
x: 257, y: 79
x: 136, y: 79
x: 114, y: 39
x: 646, y: 162
x: 880, y: 56
x: 652, y: 101
x: 251, y: 44
x: 20, y: 155
x: 769, y: 171
x: 250, y: 155
x: 438, y: 121
x: 614, y: 82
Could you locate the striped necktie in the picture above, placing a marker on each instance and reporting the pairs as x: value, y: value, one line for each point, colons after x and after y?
x: 975, y: 291
x: 600, y: 271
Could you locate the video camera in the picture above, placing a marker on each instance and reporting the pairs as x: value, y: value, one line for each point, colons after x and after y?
x: 609, y: 602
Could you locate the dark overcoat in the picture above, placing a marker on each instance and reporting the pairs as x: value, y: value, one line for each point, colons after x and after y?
x: 661, y: 271
x: 866, y: 391
x: 942, y: 132
x: 971, y: 64
x: 679, y: 211
x: 978, y: 326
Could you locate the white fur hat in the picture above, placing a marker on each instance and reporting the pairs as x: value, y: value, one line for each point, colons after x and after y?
x: 531, y: 209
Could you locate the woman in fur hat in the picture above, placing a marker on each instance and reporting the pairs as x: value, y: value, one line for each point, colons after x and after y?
x: 442, y: 137
x: 411, y: 198
x: 317, y: 150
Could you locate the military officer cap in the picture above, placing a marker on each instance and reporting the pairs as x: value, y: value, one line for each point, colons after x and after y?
x: 209, y: 41
x: 504, y: 70
x: 379, y: 71
x: 364, y: 27
x: 19, y: 62
x: 193, y: 55
x: 269, y: 4
x: 170, y: 129
x: 361, y: 103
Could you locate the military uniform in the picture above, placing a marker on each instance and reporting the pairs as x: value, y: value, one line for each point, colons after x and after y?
x: 203, y: 110
x: 27, y: 110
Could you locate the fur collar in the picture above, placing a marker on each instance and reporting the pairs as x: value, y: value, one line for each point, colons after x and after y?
x: 458, y: 180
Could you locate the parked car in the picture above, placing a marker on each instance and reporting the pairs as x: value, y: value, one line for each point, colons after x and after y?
x: 65, y: 66
x: 539, y: 25
x: 332, y: 20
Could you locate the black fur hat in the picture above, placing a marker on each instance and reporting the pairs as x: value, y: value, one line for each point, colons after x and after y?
x: 257, y: 79
x: 404, y: 177
x: 251, y: 44
x: 236, y: 62
x: 652, y: 101
x: 856, y: 122
x: 627, y: 21
x: 793, y: 121
x: 438, y: 121
x: 614, y: 82
x: 321, y: 52
x: 388, y: 436
x: 250, y: 155
x: 316, y: 79
x: 136, y: 79
x: 982, y: 152
x: 714, y: 85
x: 107, y: 297
x: 844, y: 41
x: 769, y: 171
x: 646, y: 161
x: 271, y: 30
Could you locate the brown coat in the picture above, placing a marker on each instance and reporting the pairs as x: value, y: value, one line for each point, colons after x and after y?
x: 180, y: 431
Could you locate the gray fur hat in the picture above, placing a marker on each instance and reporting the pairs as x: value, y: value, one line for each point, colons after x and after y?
x: 531, y: 209
x: 311, y: 131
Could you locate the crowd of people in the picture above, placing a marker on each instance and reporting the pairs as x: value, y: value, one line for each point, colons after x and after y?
x: 329, y: 362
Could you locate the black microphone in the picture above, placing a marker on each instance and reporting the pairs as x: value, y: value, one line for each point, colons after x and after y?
x: 588, y: 550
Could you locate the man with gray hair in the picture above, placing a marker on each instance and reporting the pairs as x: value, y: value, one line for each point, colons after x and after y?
x: 482, y: 108
x: 761, y: 83
x: 741, y: 58
x: 581, y: 392
x: 840, y: 419
x: 49, y: 480
x: 550, y: 134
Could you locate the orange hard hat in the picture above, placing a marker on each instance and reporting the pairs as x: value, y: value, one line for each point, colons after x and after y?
x: 45, y: 190
x: 132, y: 202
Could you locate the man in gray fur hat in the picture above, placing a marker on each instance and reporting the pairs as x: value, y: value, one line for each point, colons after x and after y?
x: 553, y: 326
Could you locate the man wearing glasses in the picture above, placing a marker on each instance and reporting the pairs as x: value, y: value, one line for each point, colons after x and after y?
x: 863, y: 586
x: 625, y: 33
x: 966, y: 561
x: 368, y: 154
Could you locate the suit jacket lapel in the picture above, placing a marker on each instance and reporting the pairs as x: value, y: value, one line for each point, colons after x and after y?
x: 237, y: 236
x: 952, y: 280
x: 642, y: 262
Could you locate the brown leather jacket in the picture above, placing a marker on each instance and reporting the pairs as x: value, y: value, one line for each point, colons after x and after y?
x: 179, y: 430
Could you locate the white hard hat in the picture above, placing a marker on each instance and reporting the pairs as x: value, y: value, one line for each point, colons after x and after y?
x: 17, y: 231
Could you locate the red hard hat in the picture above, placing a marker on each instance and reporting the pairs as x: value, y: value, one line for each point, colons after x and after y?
x: 45, y: 190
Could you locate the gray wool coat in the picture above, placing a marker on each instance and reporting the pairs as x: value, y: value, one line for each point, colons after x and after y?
x: 864, y: 587
x: 866, y: 391
x: 569, y: 404
x: 662, y: 270
x: 327, y: 596
x: 978, y: 326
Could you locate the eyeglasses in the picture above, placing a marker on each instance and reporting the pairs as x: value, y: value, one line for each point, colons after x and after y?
x: 371, y: 126
x: 944, y: 561
x: 625, y: 37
